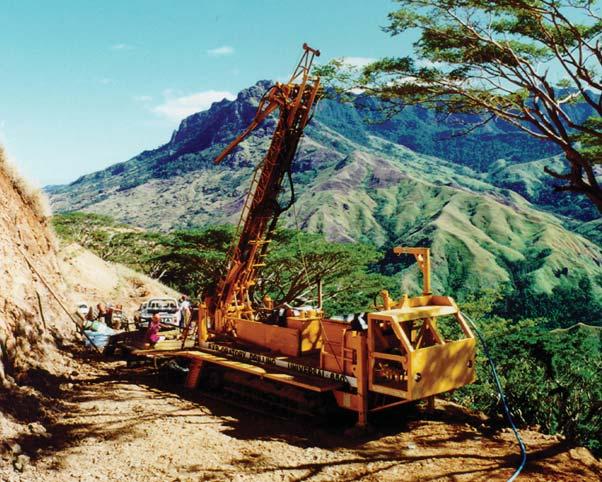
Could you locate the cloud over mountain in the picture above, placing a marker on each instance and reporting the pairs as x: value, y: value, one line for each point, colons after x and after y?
x: 177, y: 108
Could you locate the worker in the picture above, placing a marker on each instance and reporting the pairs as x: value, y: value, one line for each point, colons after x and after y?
x: 117, y: 316
x: 185, y: 311
x: 152, y: 332
x: 104, y: 314
x: 90, y: 322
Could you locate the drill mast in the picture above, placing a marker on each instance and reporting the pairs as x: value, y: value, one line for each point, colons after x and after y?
x: 294, y: 100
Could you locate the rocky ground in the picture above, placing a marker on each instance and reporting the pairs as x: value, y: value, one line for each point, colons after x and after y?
x: 118, y: 423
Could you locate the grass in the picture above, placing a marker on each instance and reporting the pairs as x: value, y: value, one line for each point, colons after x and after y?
x: 30, y: 195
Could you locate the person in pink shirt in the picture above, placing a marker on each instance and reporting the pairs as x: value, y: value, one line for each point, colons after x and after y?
x: 152, y: 332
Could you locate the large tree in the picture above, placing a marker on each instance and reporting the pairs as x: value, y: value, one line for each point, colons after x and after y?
x: 522, y: 61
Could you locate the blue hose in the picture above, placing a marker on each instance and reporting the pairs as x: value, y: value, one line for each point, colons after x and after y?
x: 500, y: 390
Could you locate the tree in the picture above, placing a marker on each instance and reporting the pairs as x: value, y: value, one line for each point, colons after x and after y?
x: 551, y: 378
x: 191, y: 260
x: 499, y: 59
x: 298, y: 261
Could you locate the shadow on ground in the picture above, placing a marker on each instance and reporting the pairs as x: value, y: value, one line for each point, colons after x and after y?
x: 67, y: 425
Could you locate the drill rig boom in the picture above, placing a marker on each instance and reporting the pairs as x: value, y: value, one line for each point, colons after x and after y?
x: 294, y: 101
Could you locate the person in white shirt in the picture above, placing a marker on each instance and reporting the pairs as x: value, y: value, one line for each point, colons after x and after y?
x: 185, y: 311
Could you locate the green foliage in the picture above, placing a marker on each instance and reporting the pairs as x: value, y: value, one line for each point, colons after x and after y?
x: 482, y: 305
x: 193, y: 260
x: 108, y: 239
x: 551, y: 378
x: 484, y: 58
x: 590, y: 143
x: 75, y: 225
x: 569, y: 303
x: 297, y: 261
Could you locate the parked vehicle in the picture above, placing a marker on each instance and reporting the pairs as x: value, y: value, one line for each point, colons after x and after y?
x: 82, y: 309
x: 168, y: 309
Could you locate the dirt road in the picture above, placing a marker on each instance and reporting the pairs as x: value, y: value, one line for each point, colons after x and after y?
x: 115, y: 423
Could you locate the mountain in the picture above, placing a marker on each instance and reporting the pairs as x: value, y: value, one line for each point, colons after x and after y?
x: 356, y: 182
x: 530, y: 180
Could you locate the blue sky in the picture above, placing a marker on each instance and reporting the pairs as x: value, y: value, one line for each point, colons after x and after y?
x: 85, y: 84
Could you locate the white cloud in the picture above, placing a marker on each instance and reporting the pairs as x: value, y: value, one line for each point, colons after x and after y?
x: 176, y: 108
x: 122, y: 47
x: 221, y: 51
x: 358, y: 61
x: 142, y: 98
x: 105, y: 81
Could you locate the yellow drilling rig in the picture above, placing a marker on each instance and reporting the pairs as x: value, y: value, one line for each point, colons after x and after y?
x: 302, y: 359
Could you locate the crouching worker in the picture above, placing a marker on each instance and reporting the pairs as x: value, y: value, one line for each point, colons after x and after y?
x: 90, y: 322
x: 152, y: 332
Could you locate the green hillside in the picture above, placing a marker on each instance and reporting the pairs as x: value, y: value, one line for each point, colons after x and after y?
x: 530, y: 180
x: 591, y: 230
x: 478, y: 237
x: 352, y: 184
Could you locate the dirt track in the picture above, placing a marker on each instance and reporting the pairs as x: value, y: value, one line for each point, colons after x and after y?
x: 118, y: 424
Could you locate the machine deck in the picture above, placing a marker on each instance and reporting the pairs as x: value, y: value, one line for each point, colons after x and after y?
x: 277, y: 374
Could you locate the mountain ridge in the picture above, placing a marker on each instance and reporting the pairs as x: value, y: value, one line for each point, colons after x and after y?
x: 359, y: 188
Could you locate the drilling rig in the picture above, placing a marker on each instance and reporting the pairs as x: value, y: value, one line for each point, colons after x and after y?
x: 296, y: 355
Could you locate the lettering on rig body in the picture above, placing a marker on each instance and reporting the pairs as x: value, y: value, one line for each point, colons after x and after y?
x: 266, y: 360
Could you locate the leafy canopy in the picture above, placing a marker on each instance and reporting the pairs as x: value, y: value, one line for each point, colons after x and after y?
x: 192, y: 260
x: 499, y: 59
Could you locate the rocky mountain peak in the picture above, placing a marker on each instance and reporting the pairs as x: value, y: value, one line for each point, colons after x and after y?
x: 220, y: 123
x: 254, y: 93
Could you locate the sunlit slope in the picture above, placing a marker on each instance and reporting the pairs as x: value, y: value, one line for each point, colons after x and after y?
x: 478, y: 240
